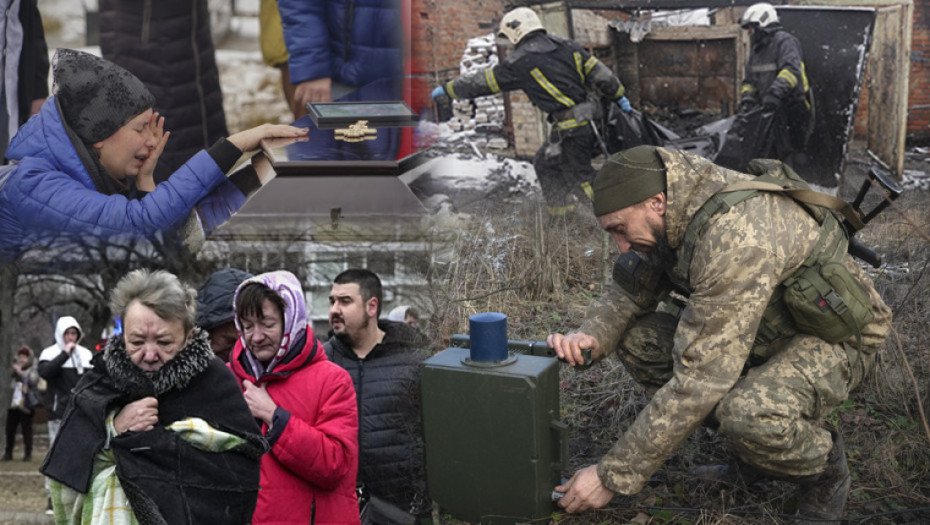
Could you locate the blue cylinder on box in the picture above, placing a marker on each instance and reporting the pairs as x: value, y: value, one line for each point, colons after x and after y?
x: 495, y: 446
x: 488, y: 336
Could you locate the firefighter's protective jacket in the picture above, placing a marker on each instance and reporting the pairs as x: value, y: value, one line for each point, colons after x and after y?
x: 776, y: 67
x: 553, y: 72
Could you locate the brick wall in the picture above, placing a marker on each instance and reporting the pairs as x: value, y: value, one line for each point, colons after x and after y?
x: 918, y: 122
x: 441, y: 29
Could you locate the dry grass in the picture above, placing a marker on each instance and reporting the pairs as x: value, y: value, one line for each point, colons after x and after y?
x: 542, y: 273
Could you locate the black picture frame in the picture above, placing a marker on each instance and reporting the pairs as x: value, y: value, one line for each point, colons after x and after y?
x: 331, y: 115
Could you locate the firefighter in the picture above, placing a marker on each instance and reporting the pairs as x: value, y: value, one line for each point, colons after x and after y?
x: 776, y: 80
x: 555, y: 74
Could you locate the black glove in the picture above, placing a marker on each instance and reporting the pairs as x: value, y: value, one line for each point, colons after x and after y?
x: 746, y: 104
x: 771, y: 102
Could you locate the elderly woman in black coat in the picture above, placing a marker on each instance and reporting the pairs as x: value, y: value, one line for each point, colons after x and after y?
x: 158, y: 431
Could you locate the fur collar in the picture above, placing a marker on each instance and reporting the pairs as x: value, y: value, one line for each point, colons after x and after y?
x: 190, y: 361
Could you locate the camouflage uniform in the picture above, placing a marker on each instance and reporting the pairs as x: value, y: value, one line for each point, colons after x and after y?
x: 769, y: 408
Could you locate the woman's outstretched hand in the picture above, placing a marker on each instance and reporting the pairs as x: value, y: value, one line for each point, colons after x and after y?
x: 249, y: 139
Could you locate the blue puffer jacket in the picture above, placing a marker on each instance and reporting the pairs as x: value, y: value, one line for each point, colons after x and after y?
x: 50, y: 194
x: 351, y: 41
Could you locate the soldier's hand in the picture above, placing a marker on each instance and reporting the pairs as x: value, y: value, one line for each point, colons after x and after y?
x: 584, y: 491
x: 569, y: 347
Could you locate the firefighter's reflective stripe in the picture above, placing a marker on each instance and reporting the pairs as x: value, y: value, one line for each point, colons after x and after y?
x: 620, y: 92
x: 579, y: 65
x: 450, y: 91
x: 550, y: 88
x: 806, y: 83
x: 589, y: 65
x: 570, y: 123
x: 491, y: 80
x: 560, y: 210
x: 789, y: 77
x: 747, y: 88
x: 588, y: 190
x: 763, y: 68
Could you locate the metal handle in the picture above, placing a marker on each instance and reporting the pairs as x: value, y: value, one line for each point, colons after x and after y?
x: 537, y: 348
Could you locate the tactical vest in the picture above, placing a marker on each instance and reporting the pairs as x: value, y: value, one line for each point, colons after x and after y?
x: 821, y: 297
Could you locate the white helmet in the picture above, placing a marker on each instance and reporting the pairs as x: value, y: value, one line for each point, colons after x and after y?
x: 762, y: 14
x: 518, y: 23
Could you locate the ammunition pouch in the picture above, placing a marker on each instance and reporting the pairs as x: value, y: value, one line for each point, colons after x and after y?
x: 826, y: 301
x: 821, y: 298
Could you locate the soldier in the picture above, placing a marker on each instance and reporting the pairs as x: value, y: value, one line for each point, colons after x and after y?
x: 776, y: 79
x: 742, y: 352
x: 555, y: 74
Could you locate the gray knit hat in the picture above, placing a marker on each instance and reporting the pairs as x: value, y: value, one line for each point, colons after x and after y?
x: 96, y: 96
x: 629, y: 177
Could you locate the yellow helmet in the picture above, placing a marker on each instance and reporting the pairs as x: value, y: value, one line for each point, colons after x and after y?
x: 518, y: 23
x: 762, y: 14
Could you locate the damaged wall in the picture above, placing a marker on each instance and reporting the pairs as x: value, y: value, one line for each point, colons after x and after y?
x: 918, y: 122
x: 441, y: 30
x: 698, y: 66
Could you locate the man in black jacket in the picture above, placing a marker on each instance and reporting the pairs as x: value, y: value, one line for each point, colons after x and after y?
x: 555, y: 74
x: 384, y: 361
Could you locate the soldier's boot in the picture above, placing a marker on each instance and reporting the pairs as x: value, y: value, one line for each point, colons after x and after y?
x: 822, y: 497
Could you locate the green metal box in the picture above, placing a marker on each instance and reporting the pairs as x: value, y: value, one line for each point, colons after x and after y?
x: 495, y: 447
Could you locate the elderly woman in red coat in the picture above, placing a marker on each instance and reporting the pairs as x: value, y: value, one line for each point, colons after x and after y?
x: 306, y: 405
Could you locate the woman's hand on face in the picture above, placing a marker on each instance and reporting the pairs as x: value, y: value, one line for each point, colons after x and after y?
x: 145, y: 181
x: 138, y: 416
x: 260, y: 403
x: 250, y: 139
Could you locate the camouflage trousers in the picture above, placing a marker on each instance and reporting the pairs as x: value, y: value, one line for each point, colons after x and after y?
x: 773, y: 418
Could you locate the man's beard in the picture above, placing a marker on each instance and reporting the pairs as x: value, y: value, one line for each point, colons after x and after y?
x: 661, y: 256
x: 348, y: 339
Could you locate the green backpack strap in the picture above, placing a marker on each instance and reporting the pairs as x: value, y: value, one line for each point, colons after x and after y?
x: 720, y: 202
x: 735, y: 193
x: 803, y: 195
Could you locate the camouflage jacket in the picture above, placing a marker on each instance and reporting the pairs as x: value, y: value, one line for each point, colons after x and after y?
x: 737, y: 264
